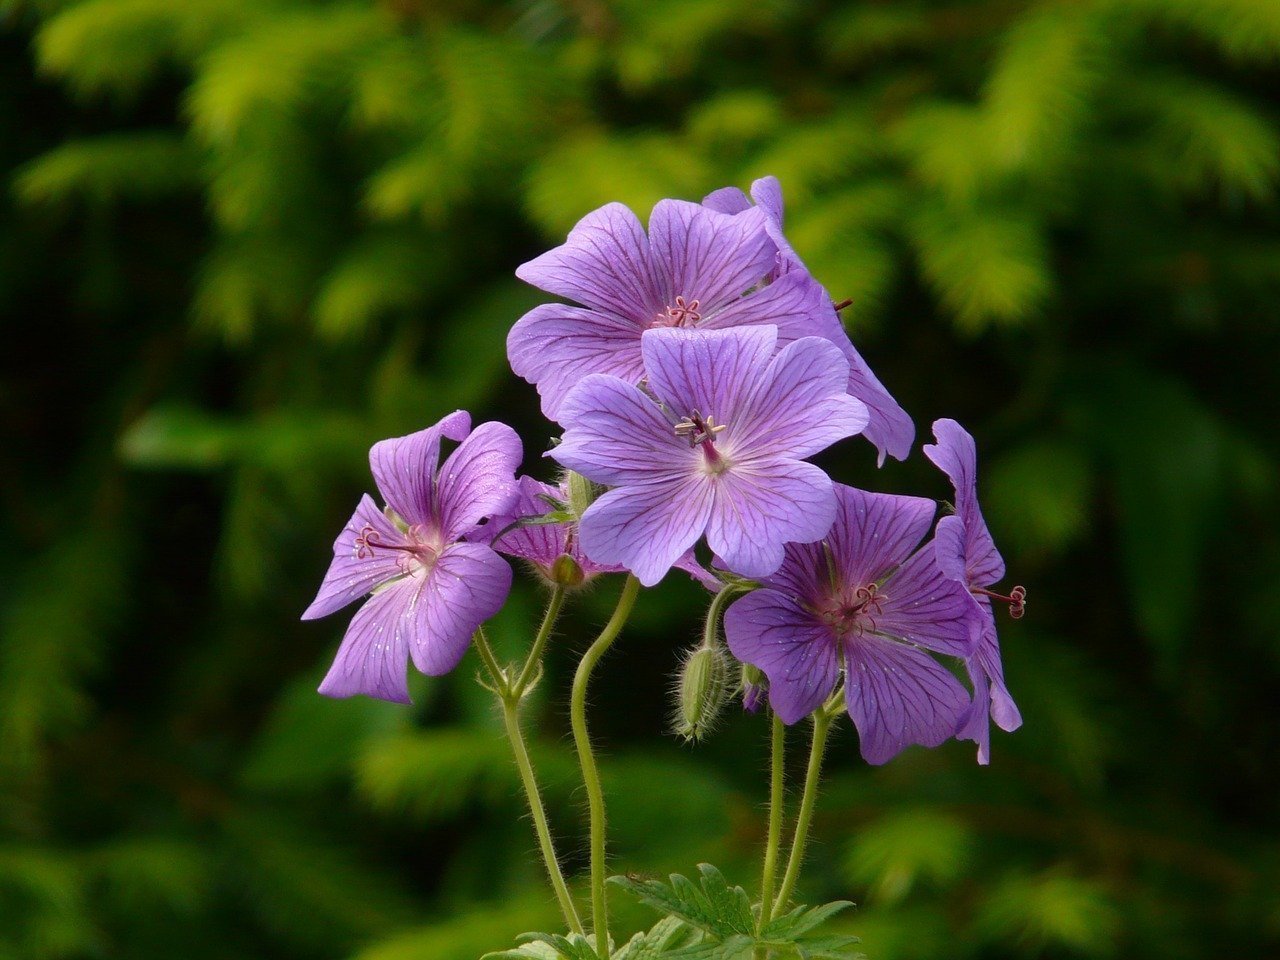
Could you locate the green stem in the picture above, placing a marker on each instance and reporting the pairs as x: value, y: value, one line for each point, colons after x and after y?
x: 777, y: 749
x: 710, y: 631
x: 590, y: 775
x: 821, y: 725
x: 511, y: 715
x: 534, y: 661
x: 510, y: 700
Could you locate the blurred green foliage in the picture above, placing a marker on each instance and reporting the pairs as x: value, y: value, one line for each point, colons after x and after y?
x: 241, y: 239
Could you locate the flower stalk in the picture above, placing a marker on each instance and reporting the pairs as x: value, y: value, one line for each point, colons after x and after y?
x: 587, y: 760
x: 822, y: 718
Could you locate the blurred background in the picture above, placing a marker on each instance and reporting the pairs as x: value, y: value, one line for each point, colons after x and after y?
x: 242, y: 239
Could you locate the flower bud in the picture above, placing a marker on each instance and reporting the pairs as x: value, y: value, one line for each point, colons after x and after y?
x: 582, y: 493
x: 702, y: 691
x: 565, y: 572
x: 753, y: 688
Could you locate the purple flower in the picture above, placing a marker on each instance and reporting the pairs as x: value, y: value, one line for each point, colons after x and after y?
x: 714, y: 445
x: 967, y: 554
x: 862, y: 601
x: 430, y: 589
x: 547, y: 546
x: 889, y: 429
x: 695, y: 268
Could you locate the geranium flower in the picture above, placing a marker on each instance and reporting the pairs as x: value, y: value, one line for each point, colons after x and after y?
x: 430, y: 588
x: 967, y: 553
x: 862, y: 603
x: 714, y: 444
x: 695, y: 269
x: 890, y: 429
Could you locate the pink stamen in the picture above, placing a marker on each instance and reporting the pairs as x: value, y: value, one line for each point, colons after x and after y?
x: 1017, y: 600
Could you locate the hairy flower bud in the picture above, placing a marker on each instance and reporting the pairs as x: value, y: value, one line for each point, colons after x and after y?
x: 565, y: 572
x: 702, y: 691
x: 582, y: 493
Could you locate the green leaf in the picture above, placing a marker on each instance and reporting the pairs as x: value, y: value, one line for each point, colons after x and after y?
x: 135, y: 166
x: 1050, y: 911
x: 1038, y: 498
x: 711, y: 906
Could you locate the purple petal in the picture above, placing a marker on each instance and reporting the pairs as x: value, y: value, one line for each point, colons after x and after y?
x: 707, y: 370
x: 539, y: 543
x: 553, y: 346
x: 1003, y: 710
x: 375, y: 651
x: 616, y: 434
x: 356, y: 570
x: 795, y: 650
x: 467, y: 585
x: 605, y: 263
x: 478, y: 478
x: 794, y: 303
x: 924, y: 606
x: 898, y: 695
x: 761, y: 506
x: 647, y: 527
x: 874, y: 532
x: 976, y: 725
x: 799, y: 406
x: 708, y: 256
x: 729, y: 200
x: 767, y: 193
x: 405, y: 467
x: 889, y: 428
x: 955, y: 454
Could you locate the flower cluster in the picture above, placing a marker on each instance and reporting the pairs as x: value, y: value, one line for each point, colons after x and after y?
x: 696, y: 370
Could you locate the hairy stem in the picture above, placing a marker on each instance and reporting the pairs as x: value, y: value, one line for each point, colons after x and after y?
x: 777, y: 749
x: 534, y: 661
x: 511, y: 716
x: 590, y: 775
x: 821, y: 725
x: 510, y: 700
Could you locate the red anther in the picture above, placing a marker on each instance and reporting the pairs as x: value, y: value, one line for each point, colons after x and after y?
x: 841, y: 304
x: 1017, y: 599
x: 1018, y: 606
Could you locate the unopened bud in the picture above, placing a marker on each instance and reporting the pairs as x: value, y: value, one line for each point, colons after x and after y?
x: 582, y: 493
x: 702, y: 692
x: 566, y: 572
x: 753, y: 688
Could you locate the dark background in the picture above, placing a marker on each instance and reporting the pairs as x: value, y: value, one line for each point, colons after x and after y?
x: 242, y: 239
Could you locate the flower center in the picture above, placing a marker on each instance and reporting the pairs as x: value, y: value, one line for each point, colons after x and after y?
x: 418, y: 551
x: 683, y: 313
x: 853, y: 614
x: 701, y: 432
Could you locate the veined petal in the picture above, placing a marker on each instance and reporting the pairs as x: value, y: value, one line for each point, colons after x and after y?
x: 605, y: 263
x: 647, y: 527
x: 949, y: 540
x: 955, y: 454
x: 799, y: 406
x: 798, y: 653
x: 478, y: 478
x: 707, y: 370
x: 616, y: 434
x: 708, y: 256
x: 924, y: 606
x: 728, y: 200
x: 767, y: 193
x: 357, y: 567
x: 539, y: 543
x: 794, y: 303
x: 1004, y: 711
x: 761, y: 506
x: 889, y: 427
x: 375, y: 651
x: 467, y: 585
x: 976, y: 723
x: 404, y: 467
x: 898, y: 695
x: 874, y: 532
x: 553, y: 346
